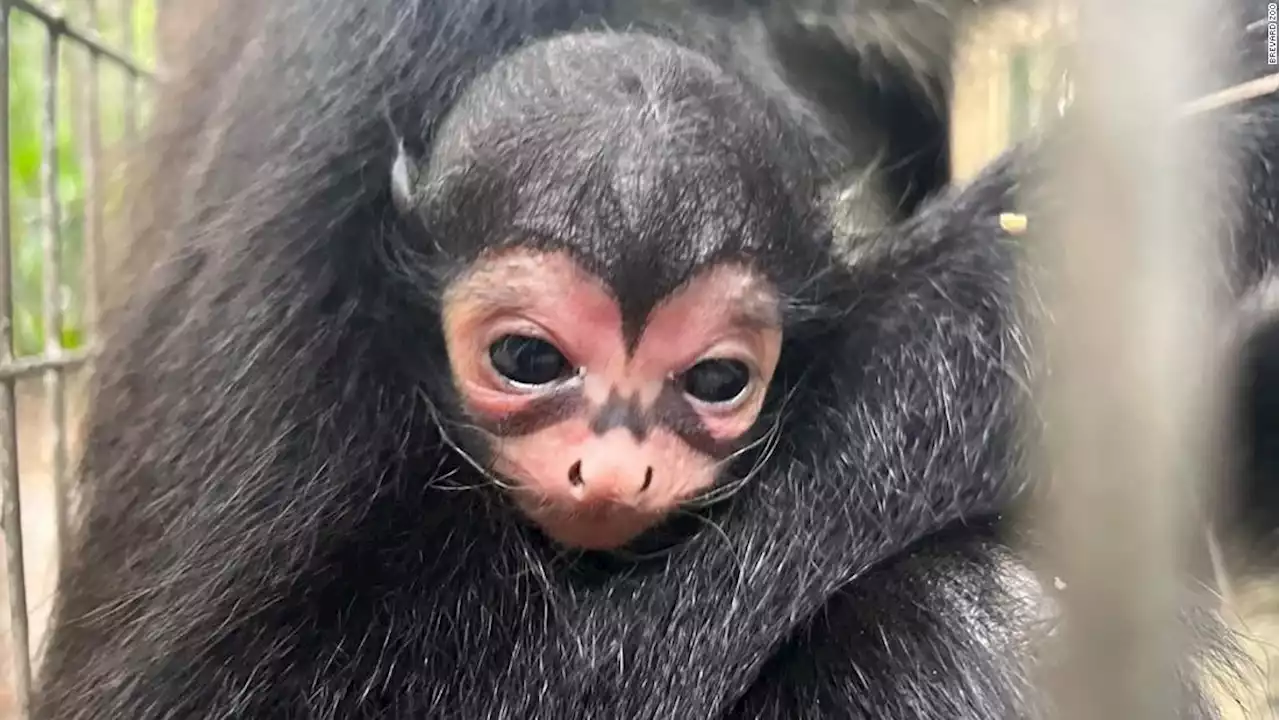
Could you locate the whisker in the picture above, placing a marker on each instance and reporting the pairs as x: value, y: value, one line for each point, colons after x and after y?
x: 770, y: 439
x: 453, y: 445
x: 728, y: 543
x: 724, y: 491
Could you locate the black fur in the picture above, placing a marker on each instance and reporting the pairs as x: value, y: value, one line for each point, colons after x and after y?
x: 1251, y: 521
x: 273, y: 525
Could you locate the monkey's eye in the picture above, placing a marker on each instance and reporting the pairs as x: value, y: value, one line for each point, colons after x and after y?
x: 525, y: 360
x: 716, y: 381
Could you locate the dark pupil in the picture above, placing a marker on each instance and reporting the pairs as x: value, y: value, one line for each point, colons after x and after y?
x: 527, y: 360
x: 716, y: 381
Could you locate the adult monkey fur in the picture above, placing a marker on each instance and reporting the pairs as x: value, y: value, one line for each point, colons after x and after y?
x: 274, y: 524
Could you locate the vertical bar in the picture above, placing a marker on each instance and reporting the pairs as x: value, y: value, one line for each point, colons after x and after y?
x: 92, y: 167
x: 1019, y: 109
x: 157, y: 32
x: 17, y: 583
x: 127, y: 47
x: 1128, y: 353
x: 55, y: 390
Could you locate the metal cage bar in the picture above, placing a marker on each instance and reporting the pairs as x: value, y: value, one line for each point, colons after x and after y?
x: 57, y: 22
x: 14, y: 567
x: 91, y: 154
x: 130, y: 83
x: 55, y: 361
x: 55, y: 387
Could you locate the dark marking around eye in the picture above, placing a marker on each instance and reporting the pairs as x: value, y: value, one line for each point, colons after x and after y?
x: 618, y: 411
x: 540, y: 414
x: 673, y: 411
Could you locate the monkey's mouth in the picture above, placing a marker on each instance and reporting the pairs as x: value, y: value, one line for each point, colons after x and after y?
x: 596, y: 527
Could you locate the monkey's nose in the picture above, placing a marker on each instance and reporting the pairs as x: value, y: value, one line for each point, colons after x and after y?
x: 579, y: 482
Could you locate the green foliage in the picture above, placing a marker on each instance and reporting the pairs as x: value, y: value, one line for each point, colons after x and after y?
x: 117, y: 22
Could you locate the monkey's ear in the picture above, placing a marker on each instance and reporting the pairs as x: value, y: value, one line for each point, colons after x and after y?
x: 405, y: 179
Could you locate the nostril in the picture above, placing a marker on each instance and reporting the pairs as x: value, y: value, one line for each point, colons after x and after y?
x: 575, y: 474
x: 648, y: 478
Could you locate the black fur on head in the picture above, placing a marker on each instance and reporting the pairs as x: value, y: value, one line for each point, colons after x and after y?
x: 646, y: 162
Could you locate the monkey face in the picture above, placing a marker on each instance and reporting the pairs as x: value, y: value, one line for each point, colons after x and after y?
x: 601, y: 435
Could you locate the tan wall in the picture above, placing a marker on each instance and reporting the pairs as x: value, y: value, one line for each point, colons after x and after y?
x: 983, y: 95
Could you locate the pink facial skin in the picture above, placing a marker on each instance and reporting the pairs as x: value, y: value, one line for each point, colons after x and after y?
x: 621, y: 485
